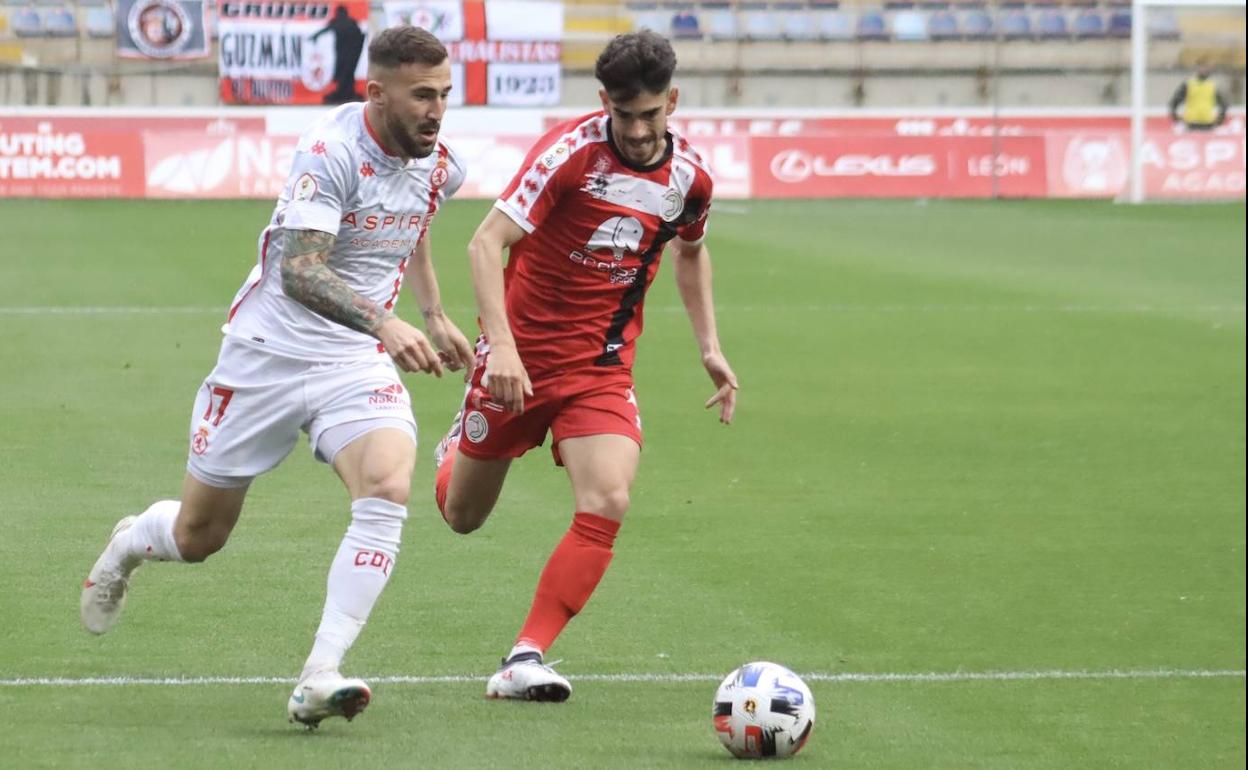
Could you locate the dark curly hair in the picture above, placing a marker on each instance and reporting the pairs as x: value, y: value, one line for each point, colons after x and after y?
x: 635, y: 62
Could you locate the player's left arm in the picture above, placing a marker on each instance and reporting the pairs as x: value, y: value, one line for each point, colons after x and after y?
x: 693, y: 279
x: 452, y: 345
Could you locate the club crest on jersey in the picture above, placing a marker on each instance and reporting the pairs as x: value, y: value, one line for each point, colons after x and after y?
x: 475, y: 427
x: 305, y: 187
x: 439, y: 176
x: 671, y: 206
x: 199, y: 442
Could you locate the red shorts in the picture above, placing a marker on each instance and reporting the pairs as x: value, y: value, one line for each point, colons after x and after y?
x: 585, y: 402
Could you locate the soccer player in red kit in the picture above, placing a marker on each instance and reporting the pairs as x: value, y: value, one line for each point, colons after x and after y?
x: 585, y: 221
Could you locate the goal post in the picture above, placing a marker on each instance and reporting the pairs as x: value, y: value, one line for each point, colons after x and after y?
x: 1140, y: 108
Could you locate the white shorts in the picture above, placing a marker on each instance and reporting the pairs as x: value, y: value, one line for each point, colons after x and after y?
x: 251, y: 408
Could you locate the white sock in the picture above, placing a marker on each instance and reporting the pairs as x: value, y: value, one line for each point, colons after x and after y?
x: 357, y: 576
x: 523, y: 647
x: 151, y: 535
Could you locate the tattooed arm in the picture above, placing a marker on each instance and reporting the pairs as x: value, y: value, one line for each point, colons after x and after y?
x: 308, y: 279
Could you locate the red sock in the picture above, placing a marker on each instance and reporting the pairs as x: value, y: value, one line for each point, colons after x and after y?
x: 442, y: 479
x: 571, y: 575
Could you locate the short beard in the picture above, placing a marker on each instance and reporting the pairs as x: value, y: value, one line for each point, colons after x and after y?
x: 406, y: 145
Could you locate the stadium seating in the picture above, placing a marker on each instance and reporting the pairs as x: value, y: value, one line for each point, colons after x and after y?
x: 1089, y: 25
x: 834, y: 25
x: 942, y: 24
x: 977, y: 25
x: 26, y: 22
x: 60, y: 22
x: 1119, y: 24
x: 799, y: 25
x: 758, y: 22
x: 1051, y: 24
x: 871, y: 26
x: 721, y: 21
x: 1163, y: 24
x: 99, y: 22
x: 909, y: 25
x: 685, y: 26
x: 1015, y: 24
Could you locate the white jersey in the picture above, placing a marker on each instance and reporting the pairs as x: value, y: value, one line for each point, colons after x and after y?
x: 342, y: 182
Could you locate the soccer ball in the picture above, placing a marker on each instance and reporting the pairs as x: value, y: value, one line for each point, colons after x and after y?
x: 763, y: 710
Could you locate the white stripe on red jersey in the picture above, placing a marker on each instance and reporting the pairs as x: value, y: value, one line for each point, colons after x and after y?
x: 596, y: 226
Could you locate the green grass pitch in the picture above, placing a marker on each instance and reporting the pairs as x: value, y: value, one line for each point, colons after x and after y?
x: 972, y: 437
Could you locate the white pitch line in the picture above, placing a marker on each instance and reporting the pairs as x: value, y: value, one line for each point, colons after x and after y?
x: 110, y: 310
x: 940, y: 677
x: 125, y: 310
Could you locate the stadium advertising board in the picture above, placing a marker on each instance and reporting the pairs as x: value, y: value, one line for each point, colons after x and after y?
x: 292, y: 52
x: 891, y: 166
x: 503, y: 52
x: 247, y: 154
x: 1194, y: 165
x: 162, y: 29
x: 55, y: 158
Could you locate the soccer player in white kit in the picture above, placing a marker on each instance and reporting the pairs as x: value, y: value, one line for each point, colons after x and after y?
x: 311, y: 344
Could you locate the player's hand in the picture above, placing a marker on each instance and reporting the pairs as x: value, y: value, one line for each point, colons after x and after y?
x: 506, y: 378
x: 726, y: 382
x: 409, y: 348
x: 453, y: 347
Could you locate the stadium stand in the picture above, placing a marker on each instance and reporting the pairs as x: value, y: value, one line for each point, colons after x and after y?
x: 837, y: 38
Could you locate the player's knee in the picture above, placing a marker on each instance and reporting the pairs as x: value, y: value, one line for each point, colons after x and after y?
x: 394, y: 486
x: 463, y: 519
x: 612, y: 503
x: 197, y: 542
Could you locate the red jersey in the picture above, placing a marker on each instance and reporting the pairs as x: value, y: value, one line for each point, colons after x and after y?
x: 596, y: 226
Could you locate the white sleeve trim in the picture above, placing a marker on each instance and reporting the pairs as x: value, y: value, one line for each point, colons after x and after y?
x: 303, y: 215
x: 514, y: 215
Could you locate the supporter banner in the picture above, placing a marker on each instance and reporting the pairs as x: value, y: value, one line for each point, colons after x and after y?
x: 292, y: 52
x: 503, y: 52
x: 162, y: 29
x: 56, y: 159
x: 890, y: 166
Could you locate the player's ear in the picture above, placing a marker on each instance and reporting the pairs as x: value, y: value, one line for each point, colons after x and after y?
x: 673, y: 95
x: 375, y: 91
x: 606, y: 103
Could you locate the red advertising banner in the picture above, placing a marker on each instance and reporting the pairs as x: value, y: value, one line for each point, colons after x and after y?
x: 173, y: 155
x: 890, y: 166
x: 248, y: 164
x: 58, y: 159
x: 919, y: 124
x: 1192, y: 165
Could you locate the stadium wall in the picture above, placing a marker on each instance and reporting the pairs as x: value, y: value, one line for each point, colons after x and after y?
x: 246, y: 153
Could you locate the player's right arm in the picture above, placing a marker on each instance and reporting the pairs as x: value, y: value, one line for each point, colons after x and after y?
x: 505, y: 376
x: 308, y: 279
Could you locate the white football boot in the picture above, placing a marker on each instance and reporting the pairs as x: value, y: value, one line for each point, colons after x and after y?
x: 526, y: 677
x: 449, y: 441
x: 324, y: 694
x: 104, y: 590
